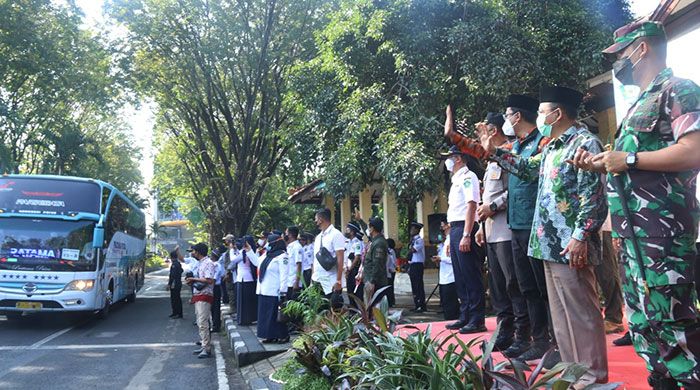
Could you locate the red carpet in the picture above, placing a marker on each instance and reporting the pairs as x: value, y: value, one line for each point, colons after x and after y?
x: 623, y: 363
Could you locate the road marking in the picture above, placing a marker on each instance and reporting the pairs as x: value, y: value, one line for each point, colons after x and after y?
x: 45, y: 340
x: 91, y: 346
x: 220, y: 366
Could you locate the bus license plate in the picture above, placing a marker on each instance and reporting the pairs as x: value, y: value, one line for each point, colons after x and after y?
x: 28, y: 305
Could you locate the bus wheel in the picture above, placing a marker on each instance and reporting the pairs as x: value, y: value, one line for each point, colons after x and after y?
x: 104, y: 312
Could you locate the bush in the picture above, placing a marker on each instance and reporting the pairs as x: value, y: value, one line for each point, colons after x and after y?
x: 295, y: 377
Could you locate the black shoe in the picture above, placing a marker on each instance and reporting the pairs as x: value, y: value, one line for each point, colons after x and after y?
x: 456, y: 325
x: 658, y: 382
x: 624, y: 340
x: 518, y: 348
x: 551, y: 360
x: 418, y: 310
x: 283, y: 341
x: 172, y: 315
x: 502, y: 343
x: 177, y: 316
x: 533, y: 356
x: 269, y: 341
x: 198, y: 343
x: 471, y: 328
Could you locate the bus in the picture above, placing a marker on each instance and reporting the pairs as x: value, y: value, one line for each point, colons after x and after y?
x: 67, y: 244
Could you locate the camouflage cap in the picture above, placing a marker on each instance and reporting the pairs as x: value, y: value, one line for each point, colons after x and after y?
x: 628, y: 33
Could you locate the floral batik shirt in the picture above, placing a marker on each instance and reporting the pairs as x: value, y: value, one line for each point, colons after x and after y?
x: 571, y: 202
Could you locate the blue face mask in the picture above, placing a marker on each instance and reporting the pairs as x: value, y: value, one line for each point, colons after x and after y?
x: 268, y: 247
x: 439, y: 237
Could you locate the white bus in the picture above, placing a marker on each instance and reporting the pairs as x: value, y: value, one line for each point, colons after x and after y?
x: 67, y: 244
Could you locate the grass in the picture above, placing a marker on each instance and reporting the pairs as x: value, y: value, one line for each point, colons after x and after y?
x: 289, y: 374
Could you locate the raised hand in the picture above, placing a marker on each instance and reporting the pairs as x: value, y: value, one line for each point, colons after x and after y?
x: 449, y: 121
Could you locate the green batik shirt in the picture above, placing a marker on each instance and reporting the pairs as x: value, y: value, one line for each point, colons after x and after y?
x: 570, y: 201
x: 662, y: 204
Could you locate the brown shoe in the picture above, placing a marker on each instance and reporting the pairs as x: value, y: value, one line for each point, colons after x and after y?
x: 611, y: 327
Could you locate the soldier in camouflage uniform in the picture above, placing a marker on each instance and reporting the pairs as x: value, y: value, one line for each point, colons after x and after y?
x: 373, y: 271
x: 651, y: 194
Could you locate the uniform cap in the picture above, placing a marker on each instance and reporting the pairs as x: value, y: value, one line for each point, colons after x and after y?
x: 626, y: 34
x: 453, y: 151
x: 417, y: 225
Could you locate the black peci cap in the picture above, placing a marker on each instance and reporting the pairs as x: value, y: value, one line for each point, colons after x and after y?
x: 523, y: 102
x: 561, y: 95
x: 495, y: 118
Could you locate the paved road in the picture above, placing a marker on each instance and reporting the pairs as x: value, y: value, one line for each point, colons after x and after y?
x: 137, y: 347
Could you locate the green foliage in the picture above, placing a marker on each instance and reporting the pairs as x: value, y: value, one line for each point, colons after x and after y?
x: 59, y: 97
x: 375, y: 93
x: 295, y: 377
x: 308, y: 306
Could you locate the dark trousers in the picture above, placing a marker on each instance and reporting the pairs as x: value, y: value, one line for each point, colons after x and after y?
x: 247, y: 308
x: 697, y: 269
x: 176, y: 300
x: 233, y: 293
x: 468, y: 277
x: 507, y: 301
x: 449, y: 301
x: 415, y: 273
x: 530, y: 275
x: 307, y: 278
x: 216, y: 309
x: 224, y: 292
x: 608, y: 275
x: 390, y: 291
x: 350, y: 286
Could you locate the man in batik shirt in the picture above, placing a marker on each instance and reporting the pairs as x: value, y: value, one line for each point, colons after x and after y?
x: 570, y: 209
x: 651, y: 192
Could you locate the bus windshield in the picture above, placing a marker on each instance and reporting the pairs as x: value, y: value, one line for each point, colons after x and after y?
x: 46, y: 245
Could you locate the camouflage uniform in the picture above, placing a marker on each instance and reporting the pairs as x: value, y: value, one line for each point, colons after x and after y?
x: 663, y: 318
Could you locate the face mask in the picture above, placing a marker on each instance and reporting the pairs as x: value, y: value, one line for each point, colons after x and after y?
x: 439, y: 237
x: 347, y: 235
x: 449, y: 164
x: 367, y: 232
x: 508, y: 128
x: 286, y: 238
x: 623, y: 68
x: 544, y: 128
x: 268, y: 247
x: 261, y: 242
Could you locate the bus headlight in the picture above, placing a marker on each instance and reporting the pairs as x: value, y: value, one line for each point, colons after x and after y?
x: 81, y: 285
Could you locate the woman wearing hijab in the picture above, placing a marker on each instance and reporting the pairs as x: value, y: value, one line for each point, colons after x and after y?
x: 272, y: 289
x: 244, y: 262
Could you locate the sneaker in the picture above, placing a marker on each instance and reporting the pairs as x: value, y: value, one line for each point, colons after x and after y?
x: 613, y: 327
x: 518, y: 348
x: 533, y: 355
x: 197, y: 351
x: 204, y: 354
x: 624, y: 340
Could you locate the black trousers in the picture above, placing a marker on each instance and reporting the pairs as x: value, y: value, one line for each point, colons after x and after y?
x: 247, y: 308
x: 224, y: 292
x: 449, y: 301
x: 176, y: 300
x: 390, y: 291
x: 216, y: 309
x: 530, y: 275
x: 507, y: 301
x: 350, y: 286
x: 415, y: 273
x: 307, y: 278
x: 468, y: 277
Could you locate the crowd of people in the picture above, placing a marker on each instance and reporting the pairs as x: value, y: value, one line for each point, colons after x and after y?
x: 559, y: 216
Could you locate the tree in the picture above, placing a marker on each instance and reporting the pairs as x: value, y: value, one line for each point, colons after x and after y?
x: 384, y: 71
x: 218, y: 72
x: 54, y: 77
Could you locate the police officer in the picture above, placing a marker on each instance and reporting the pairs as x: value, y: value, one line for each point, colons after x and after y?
x: 651, y: 193
x: 461, y: 215
x: 416, y: 267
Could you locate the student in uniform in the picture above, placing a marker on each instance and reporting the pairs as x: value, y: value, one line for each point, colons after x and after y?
x: 244, y: 262
x: 218, y: 279
x: 296, y: 255
x: 354, y: 249
x: 272, y: 290
x: 446, y: 280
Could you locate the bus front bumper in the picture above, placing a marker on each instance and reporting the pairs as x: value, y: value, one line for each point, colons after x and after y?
x: 67, y: 301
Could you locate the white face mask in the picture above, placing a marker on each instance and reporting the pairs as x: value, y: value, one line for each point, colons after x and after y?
x: 449, y: 164
x: 367, y: 232
x: 261, y: 242
x: 508, y: 128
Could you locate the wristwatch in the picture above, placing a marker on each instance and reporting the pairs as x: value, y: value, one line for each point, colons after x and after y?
x: 631, y: 160
x: 493, y: 207
x: 465, y: 234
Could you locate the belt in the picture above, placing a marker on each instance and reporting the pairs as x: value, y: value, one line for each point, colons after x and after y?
x: 456, y: 223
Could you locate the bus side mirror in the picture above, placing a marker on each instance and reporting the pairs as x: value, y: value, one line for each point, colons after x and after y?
x: 98, y: 237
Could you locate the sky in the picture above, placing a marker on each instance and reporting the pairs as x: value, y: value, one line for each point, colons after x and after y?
x: 682, y: 57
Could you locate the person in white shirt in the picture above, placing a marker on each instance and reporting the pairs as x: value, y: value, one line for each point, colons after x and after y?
x: 296, y: 257
x: 307, y: 242
x: 273, y: 273
x: 244, y: 261
x: 446, y: 280
x: 416, y: 267
x: 354, y: 250
x: 461, y: 215
x: 330, y: 238
x: 391, y: 271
